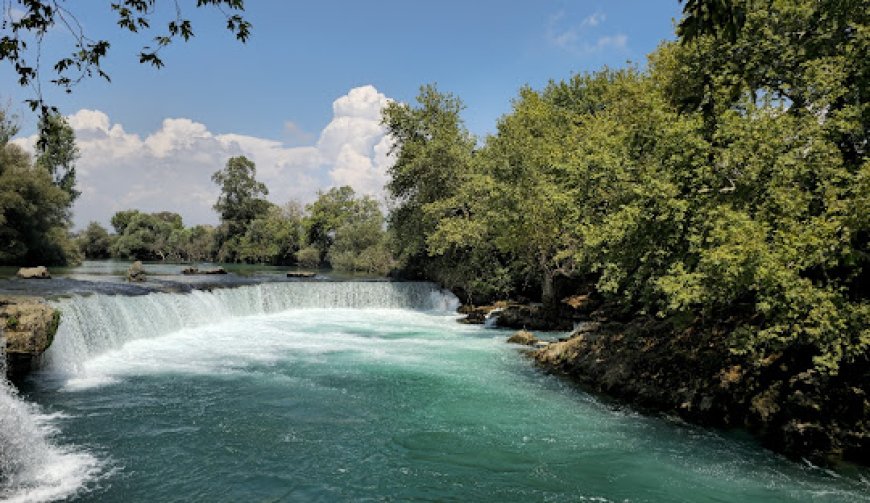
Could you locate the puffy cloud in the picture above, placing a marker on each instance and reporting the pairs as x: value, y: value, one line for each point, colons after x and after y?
x: 170, y: 169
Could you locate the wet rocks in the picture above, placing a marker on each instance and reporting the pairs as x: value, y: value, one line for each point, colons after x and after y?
x: 509, y: 314
x: 301, y: 274
x: 28, y: 325
x: 136, y: 272
x: 34, y: 273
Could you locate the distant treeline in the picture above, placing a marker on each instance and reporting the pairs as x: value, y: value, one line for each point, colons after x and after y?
x: 339, y: 230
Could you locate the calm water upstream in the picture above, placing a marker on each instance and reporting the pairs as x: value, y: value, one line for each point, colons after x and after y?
x: 346, y: 392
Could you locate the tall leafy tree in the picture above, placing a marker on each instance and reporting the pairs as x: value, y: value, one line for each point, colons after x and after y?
x: 95, y: 242
x: 57, y: 152
x: 433, y: 155
x: 33, y: 210
x: 240, y: 202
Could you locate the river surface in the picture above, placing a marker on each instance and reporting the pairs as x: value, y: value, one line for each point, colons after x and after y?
x: 346, y: 392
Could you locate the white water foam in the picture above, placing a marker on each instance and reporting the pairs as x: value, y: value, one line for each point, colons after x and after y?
x: 234, y: 345
x: 32, y: 467
x: 91, y: 326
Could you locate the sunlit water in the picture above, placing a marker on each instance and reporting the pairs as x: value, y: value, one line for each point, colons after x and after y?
x: 347, y: 392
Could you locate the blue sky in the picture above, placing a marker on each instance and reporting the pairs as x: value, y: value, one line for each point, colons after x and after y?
x: 302, y: 56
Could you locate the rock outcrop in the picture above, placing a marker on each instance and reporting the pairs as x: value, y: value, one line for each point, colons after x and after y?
x: 523, y: 337
x: 136, y: 272
x: 560, y: 316
x: 28, y: 326
x: 34, y: 273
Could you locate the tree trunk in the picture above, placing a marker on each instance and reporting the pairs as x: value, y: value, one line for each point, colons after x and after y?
x: 547, y: 290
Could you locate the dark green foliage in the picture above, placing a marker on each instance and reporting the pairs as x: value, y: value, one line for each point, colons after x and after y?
x: 34, y: 212
x: 241, y: 201
x: 146, y: 236
x: 152, y: 236
x: 727, y: 182
x: 95, y: 242
x: 57, y: 152
x: 433, y: 157
x: 346, y: 232
x: 273, y: 238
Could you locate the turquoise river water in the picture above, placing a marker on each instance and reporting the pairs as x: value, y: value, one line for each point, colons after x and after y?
x: 356, y: 391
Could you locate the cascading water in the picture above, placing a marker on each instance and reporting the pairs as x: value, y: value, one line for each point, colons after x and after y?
x: 32, y: 467
x: 95, y: 324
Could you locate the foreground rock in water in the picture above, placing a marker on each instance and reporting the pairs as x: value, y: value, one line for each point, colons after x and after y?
x: 28, y: 325
x: 136, y: 272
x: 523, y: 337
x: 791, y: 407
x: 34, y: 273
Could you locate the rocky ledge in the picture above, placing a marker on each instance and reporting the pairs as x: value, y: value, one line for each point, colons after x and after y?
x: 531, y: 316
x: 791, y: 407
x: 28, y: 325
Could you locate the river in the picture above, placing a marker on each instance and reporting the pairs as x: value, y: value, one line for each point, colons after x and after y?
x: 346, y: 391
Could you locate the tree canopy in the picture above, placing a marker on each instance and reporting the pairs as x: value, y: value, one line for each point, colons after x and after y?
x: 728, y: 181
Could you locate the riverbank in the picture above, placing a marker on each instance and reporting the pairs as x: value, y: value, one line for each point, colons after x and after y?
x: 690, y: 372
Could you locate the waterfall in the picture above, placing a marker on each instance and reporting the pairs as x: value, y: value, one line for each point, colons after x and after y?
x: 95, y: 324
x: 32, y: 467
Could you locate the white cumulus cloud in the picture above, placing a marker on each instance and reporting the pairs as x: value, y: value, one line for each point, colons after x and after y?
x: 170, y: 168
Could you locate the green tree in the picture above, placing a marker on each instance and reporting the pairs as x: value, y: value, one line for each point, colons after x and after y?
x: 145, y: 236
x: 273, y: 238
x: 57, y: 152
x: 433, y: 156
x: 95, y: 242
x: 33, y: 211
x: 241, y: 201
x: 518, y: 202
x: 121, y: 220
x: 361, y: 243
x: 333, y: 209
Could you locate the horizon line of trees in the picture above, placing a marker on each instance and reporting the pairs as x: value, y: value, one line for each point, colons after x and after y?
x: 340, y: 230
